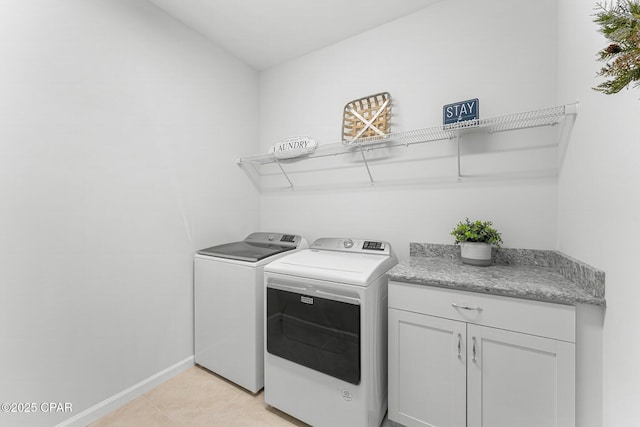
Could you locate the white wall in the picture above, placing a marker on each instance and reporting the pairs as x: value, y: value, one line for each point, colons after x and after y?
x: 118, y: 134
x: 599, y: 201
x: 503, y: 53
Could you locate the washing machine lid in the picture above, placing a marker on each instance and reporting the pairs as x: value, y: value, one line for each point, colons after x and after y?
x: 256, y: 247
x: 359, y: 264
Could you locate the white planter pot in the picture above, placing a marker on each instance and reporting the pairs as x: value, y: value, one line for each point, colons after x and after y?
x: 474, y: 253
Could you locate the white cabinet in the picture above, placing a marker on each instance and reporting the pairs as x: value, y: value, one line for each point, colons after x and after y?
x: 427, y: 380
x: 518, y: 379
x: 463, y: 359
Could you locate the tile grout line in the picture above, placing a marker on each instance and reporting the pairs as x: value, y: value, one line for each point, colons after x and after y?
x: 157, y: 408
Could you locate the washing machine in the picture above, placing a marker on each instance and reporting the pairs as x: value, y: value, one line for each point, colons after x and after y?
x: 326, y: 332
x: 229, y: 304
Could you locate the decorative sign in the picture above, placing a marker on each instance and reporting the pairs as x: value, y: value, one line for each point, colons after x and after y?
x: 460, y: 112
x: 367, y: 117
x: 293, y: 147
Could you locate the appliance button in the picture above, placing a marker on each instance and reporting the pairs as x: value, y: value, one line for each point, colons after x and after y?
x: 348, y: 243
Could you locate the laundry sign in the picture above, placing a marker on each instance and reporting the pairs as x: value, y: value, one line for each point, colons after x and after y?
x: 293, y: 147
x: 460, y: 111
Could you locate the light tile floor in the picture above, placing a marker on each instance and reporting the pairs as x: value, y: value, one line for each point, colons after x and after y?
x: 194, y: 398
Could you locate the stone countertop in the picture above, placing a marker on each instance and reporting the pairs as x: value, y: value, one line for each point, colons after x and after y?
x: 534, y: 282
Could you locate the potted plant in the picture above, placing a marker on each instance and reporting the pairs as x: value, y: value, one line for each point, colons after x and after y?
x: 475, y: 239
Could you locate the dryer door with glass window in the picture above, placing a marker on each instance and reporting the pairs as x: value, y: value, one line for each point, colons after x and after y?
x: 319, y: 333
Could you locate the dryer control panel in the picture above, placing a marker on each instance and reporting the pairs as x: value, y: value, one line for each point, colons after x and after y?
x: 352, y: 245
x: 373, y: 245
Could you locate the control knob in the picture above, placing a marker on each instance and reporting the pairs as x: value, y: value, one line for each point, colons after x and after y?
x: 348, y: 243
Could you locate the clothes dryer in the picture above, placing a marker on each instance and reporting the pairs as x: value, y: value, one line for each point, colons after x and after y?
x: 326, y: 332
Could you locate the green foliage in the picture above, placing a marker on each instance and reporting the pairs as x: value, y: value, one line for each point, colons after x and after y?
x: 477, y: 231
x: 620, y: 23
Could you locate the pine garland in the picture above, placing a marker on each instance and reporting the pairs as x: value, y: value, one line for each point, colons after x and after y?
x: 620, y: 24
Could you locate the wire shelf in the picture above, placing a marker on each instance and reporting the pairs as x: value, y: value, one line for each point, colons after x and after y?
x: 524, y: 120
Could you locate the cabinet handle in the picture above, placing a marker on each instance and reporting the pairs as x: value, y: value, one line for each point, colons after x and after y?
x: 466, y: 307
x: 459, y: 346
x: 473, y: 350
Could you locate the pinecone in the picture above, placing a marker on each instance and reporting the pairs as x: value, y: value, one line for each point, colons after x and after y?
x: 613, y: 48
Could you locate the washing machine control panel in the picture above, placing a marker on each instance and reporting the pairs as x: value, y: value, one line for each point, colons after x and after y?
x: 289, y: 238
x: 276, y: 238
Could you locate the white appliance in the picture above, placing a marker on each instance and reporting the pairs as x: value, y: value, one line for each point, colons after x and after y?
x: 326, y: 332
x: 229, y: 303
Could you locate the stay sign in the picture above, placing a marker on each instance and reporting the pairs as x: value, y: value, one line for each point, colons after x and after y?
x: 460, y: 111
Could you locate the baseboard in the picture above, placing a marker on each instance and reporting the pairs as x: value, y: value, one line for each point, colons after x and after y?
x: 101, y: 409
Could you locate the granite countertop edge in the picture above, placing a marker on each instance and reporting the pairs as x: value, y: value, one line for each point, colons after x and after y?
x: 547, y: 276
x: 512, y: 292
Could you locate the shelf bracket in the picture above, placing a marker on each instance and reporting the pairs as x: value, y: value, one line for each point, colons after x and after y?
x: 283, y: 171
x: 458, y: 149
x: 570, y: 115
x: 251, y: 171
x: 366, y: 164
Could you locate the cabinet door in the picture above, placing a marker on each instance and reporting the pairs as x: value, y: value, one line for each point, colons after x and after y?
x: 519, y: 380
x: 427, y: 383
